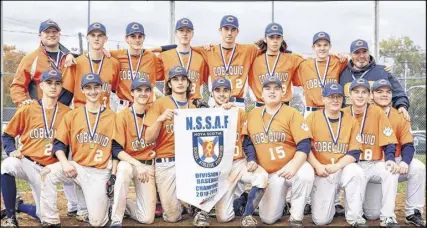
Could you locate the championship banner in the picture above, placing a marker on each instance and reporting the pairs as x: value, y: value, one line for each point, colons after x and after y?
x: 204, y: 146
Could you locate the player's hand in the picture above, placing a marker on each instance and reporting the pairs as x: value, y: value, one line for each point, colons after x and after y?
x: 26, y: 102
x: 388, y: 68
x: 106, y: 53
x: 403, y: 167
x: 110, y: 186
x: 332, y: 168
x: 289, y: 171
x: 321, y: 171
x: 167, y: 115
x: 69, y: 169
x: 341, y: 56
x: 251, y: 166
x: 69, y: 60
x: 17, y: 154
x: 207, y: 47
x: 405, y: 113
x: 228, y: 106
x: 392, y: 166
x: 142, y: 174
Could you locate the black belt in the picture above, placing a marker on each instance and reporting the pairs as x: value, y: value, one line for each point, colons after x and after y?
x: 35, y: 162
x: 169, y: 159
x: 235, y: 99
x: 312, y: 108
x: 122, y: 102
x: 258, y: 104
x: 147, y: 162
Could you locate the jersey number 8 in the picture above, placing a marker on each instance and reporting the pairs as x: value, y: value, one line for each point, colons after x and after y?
x: 367, y: 155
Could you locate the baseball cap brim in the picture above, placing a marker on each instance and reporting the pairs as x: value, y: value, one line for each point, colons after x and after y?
x: 229, y: 25
x: 274, y: 33
x: 54, y: 26
x: 360, y: 48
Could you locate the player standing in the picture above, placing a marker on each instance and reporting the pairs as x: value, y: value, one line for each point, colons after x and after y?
x: 136, y: 159
x: 334, y: 152
x: 411, y: 169
x: 36, y: 123
x: 282, y: 143
x: 378, y: 148
x: 88, y: 131
x: 94, y: 62
x: 159, y: 122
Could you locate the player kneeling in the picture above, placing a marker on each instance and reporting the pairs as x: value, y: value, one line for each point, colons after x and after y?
x: 334, y: 153
x: 244, y: 170
x: 88, y: 130
x: 282, y: 143
x: 136, y: 160
x: 411, y: 169
x: 377, y: 138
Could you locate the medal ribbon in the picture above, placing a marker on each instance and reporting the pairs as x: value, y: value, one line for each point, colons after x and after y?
x: 91, y: 64
x: 322, y: 80
x: 176, y: 103
x: 362, y: 124
x: 271, y: 73
x: 92, y: 132
x: 130, y: 63
x: 187, y: 69
x: 331, y: 131
x: 352, y: 75
x: 227, y: 66
x: 48, y: 129
x: 138, y: 131
x: 267, y: 129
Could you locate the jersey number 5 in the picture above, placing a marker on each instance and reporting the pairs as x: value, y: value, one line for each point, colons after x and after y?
x: 279, y: 151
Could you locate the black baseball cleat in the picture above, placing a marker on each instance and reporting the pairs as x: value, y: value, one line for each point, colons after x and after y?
x: 239, y: 204
x: 389, y: 222
x: 72, y: 213
x: 3, y: 213
x: 287, y: 209
x: 49, y: 225
x: 10, y: 222
x: 339, y: 210
x: 307, y: 209
x: 416, y: 219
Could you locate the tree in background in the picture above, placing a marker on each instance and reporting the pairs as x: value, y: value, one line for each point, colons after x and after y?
x: 410, y: 56
x: 11, y: 59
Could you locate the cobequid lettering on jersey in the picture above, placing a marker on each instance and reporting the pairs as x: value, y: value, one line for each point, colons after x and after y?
x: 368, y: 139
x: 98, y: 139
x: 330, y: 147
x: 234, y: 70
x: 106, y: 87
x: 194, y: 76
x: 140, y: 145
x: 315, y: 83
x: 37, y: 133
x: 126, y: 75
x: 273, y: 136
x: 283, y: 76
x: 207, y: 123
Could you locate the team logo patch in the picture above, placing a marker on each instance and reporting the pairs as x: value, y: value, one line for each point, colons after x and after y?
x: 274, y: 27
x: 388, y: 131
x: 304, y: 126
x: 90, y: 77
x: 382, y: 81
x: 208, y: 148
x: 361, y: 81
x: 272, y: 79
x: 96, y: 25
x: 179, y: 69
x: 334, y: 87
x: 359, y: 43
x: 321, y: 35
x: 50, y: 22
x: 184, y: 21
x: 135, y: 26
x: 221, y: 80
x: 52, y: 73
x: 230, y: 19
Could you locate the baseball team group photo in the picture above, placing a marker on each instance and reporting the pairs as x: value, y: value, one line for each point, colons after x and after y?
x: 229, y: 122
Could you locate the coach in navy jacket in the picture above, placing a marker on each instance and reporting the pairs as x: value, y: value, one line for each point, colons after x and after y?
x: 362, y: 65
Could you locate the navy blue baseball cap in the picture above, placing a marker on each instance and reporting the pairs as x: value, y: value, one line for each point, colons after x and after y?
x: 91, y: 78
x: 229, y: 20
x: 332, y: 89
x: 97, y: 26
x: 359, y: 82
x: 321, y: 36
x: 184, y: 22
x: 177, y: 71
x: 51, y: 74
x: 137, y: 82
x: 271, y: 79
x: 134, y: 27
x: 274, y: 29
x: 381, y: 83
x: 47, y: 24
x: 221, y: 82
x: 358, y: 44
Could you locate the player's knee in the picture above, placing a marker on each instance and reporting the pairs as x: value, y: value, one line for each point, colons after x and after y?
x: 97, y: 222
x: 417, y: 168
x: 224, y: 217
x: 148, y: 219
x: 269, y: 220
x: 372, y: 214
x: 322, y: 221
x: 8, y: 166
x: 172, y: 216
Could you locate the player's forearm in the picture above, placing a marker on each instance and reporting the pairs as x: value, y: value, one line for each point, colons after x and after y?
x: 347, y: 159
x: 60, y: 154
x: 115, y: 164
x: 313, y: 160
x: 153, y: 131
x: 408, y: 151
x: 123, y: 156
x: 299, y: 159
x: 8, y: 143
x: 389, y: 151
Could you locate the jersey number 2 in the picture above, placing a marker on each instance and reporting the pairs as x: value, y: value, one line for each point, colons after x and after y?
x: 98, y: 155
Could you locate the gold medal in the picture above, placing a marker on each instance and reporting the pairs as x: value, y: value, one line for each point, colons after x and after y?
x: 359, y: 138
x: 91, y: 145
x: 47, y: 141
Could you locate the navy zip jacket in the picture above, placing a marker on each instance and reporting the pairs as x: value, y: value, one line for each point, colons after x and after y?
x: 373, y: 72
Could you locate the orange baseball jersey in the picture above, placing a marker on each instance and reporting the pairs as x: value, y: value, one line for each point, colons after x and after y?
x: 147, y: 68
x: 238, y: 150
x: 29, y: 72
x: 401, y: 128
x: 235, y: 70
x: 165, y: 145
x: 285, y: 70
x: 277, y: 147
x: 73, y: 131
x: 198, y: 70
x: 376, y: 131
x: 312, y: 79
x: 323, y: 145
x: 126, y: 135
x: 28, y: 123
x: 109, y: 74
